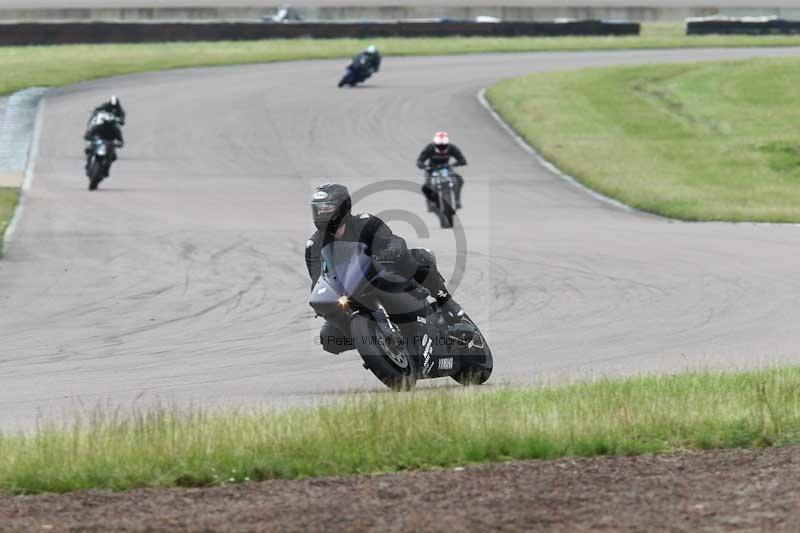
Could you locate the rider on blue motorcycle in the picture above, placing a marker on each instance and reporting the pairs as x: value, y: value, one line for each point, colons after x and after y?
x: 330, y: 208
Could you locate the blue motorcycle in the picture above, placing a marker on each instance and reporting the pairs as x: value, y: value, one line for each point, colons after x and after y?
x: 357, y: 72
x: 397, y: 327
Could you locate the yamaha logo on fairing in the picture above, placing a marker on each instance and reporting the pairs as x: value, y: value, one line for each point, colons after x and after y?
x: 426, y: 354
x: 320, y: 195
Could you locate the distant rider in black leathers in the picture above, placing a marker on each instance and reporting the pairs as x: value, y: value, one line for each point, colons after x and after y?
x: 330, y: 206
x: 104, y: 127
x: 366, y: 63
x: 373, y: 59
x: 114, y: 107
x: 437, y: 155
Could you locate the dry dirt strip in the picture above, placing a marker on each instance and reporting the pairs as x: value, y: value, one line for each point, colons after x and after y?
x: 753, y: 490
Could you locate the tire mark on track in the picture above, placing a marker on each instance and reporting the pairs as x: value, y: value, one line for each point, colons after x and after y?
x: 150, y: 327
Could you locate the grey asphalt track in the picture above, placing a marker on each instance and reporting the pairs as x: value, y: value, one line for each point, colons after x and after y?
x: 183, y: 278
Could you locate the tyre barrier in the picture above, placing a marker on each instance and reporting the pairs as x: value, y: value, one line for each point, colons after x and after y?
x: 109, y: 32
x: 771, y: 26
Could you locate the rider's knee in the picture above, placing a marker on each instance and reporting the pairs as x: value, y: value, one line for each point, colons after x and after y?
x: 424, y: 256
x: 426, y: 274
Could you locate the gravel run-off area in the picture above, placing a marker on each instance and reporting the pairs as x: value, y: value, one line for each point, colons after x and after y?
x: 711, y: 491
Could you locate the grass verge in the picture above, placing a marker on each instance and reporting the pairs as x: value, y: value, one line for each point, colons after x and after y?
x: 711, y: 141
x: 8, y: 201
x: 391, y: 432
x: 61, y: 65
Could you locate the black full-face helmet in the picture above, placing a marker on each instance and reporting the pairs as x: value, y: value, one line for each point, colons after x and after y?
x: 330, y: 205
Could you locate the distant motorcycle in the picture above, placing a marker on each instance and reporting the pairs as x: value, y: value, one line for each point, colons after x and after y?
x: 101, y: 153
x: 442, y: 181
x: 357, y: 72
x: 362, y: 296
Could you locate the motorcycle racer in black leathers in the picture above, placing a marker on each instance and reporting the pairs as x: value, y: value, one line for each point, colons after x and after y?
x: 436, y: 155
x: 331, y: 206
x: 364, y: 65
x: 114, y: 107
x: 373, y: 59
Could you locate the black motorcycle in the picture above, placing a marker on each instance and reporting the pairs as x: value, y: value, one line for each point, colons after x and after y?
x: 100, y: 155
x: 357, y: 72
x: 442, y: 181
x: 398, y: 329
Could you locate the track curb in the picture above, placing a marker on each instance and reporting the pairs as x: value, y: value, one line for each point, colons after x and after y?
x: 29, y: 153
x: 553, y: 169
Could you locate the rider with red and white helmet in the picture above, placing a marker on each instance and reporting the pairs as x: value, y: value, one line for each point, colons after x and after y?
x: 438, y: 154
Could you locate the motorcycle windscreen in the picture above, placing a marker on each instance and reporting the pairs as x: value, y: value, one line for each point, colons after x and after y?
x: 99, y: 144
x: 347, y: 266
x: 442, y: 182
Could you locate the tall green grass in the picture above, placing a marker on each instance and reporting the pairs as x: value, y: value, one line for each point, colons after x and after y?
x: 711, y: 141
x: 8, y: 201
x: 390, y: 432
x: 61, y: 65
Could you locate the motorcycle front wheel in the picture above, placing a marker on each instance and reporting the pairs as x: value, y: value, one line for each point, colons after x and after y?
x: 446, y: 213
x: 95, y: 174
x: 384, y: 356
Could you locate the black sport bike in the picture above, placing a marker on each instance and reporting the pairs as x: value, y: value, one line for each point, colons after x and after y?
x: 442, y: 182
x: 398, y: 329
x: 100, y: 154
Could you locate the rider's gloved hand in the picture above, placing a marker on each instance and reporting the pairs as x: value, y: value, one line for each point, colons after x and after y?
x: 420, y: 165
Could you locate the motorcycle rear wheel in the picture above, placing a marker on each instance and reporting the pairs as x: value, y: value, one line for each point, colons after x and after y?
x: 477, y: 365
